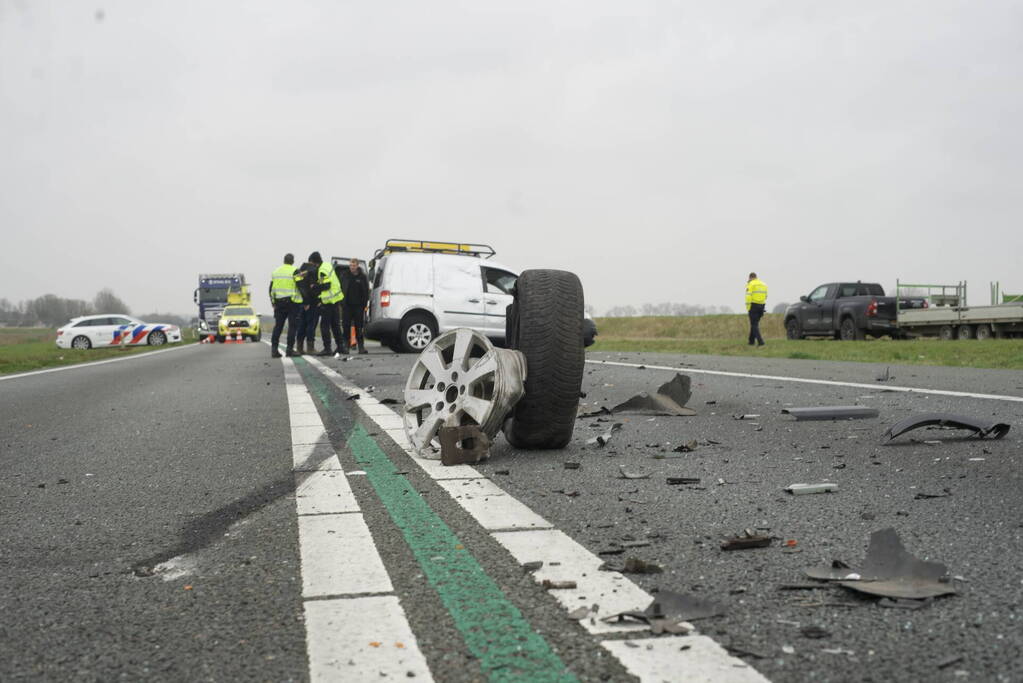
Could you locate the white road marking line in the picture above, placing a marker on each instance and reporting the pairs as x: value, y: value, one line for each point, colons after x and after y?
x: 341, y: 634
x: 90, y: 364
x: 552, y: 546
x: 829, y: 382
x: 339, y: 557
x: 663, y: 659
x: 566, y: 560
x: 491, y: 506
x: 318, y: 493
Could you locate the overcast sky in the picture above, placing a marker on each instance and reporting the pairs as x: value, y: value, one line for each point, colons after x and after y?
x: 661, y: 150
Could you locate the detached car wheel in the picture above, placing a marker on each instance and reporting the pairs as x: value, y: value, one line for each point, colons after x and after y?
x: 545, y: 323
x: 81, y: 342
x: 416, y: 332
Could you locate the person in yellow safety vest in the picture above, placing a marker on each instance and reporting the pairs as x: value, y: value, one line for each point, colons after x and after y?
x: 287, y: 305
x: 756, y: 302
x: 329, y: 287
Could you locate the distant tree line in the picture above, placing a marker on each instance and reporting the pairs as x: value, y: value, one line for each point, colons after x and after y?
x: 50, y: 310
x: 629, y: 311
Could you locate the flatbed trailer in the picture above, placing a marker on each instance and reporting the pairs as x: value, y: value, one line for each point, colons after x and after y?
x: 949, y: 317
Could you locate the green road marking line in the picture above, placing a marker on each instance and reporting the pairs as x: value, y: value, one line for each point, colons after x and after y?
x: 494, y: 630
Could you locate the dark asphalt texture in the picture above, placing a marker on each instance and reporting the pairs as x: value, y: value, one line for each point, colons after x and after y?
x: 187, y: 455
x: 976, y: 530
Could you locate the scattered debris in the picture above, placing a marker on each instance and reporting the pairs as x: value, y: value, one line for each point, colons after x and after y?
x: 603, y: 410
x: 890, y: 571
x: 579, y: 613
x: 683, y: 480
x: 743, y: 651
x: 634, y: 565
x: 748, y: 416
x: 626, y: 474
x: 389, y: 401
x: 670, y: 399
x: 981, y: 428
x: 682, y: 607
x: 949, y: 661
x: 838, y: 651
x: 687, y: 447
x: 600, y: 440
x: 788, y: 649
x: 353, y: 397
x: 570, y: 494
x: 557, y: 585
x: 571, y: 465
x: 884, y: 376
x: 505, y: 472
x: 466, y: 444
x: 832, y: 413
x: 804, y: 489
x: 926, y: 496
x: 747, y: 540
x: 800, y: 586
x: 531, y: 567
x: 814, y: 631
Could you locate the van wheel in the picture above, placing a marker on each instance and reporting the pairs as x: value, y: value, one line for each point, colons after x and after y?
x: 546, y: 324
x: 416, y: 332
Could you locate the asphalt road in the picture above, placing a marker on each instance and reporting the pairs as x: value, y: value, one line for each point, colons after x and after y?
x: 184, y: 459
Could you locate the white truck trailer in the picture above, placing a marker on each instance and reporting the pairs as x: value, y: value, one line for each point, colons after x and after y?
x: 948, y: 316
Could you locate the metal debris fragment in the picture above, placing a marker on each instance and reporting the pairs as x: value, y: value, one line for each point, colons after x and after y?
x: 804, y: 489
x: 832, y: 413
x: 982, y: 428
x: 747, y: 540
x: 465, y: 444
x: 600, y: 440
x: 627, y: 474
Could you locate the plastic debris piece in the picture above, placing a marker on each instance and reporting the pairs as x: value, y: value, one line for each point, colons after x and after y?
x: 571, y: 465
x: 746, y: 416
x: 982, y: 428
x: 746, y: 541
x: 556, y: 585
x: 627, y: 474
x: 832, y: 413
x: 531, y: 567
x: 788, y: 649
x: 683, y: 480
x: 743, y: 651
x: 803, y: 489
x: 890, y: 571
x: 600, y: 440
x: 579, y: 613
x: 466, y: 444
x: 687, y: 447
x: 669, y: 399
x: 634, y: 565
x: 814, y: 631
x: 925, y: 496
x: 949, y: 661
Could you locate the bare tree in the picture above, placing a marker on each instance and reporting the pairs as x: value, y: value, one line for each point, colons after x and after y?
x: 106, y: 301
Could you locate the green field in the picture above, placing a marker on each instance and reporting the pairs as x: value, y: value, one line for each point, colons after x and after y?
x: 33, y: 348
x: 725, y: 335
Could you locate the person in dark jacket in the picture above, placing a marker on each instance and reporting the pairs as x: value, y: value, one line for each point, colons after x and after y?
x: 355, y: 286
x: 309, y: 315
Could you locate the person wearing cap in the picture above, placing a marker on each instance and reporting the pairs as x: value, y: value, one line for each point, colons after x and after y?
x: 330, y: 294
x: 287, y: 302
x: 756, y: 302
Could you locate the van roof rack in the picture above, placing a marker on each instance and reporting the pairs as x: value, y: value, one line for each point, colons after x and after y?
x: 463, y: 248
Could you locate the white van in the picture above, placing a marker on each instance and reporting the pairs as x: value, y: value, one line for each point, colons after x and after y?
x: 422, y: 289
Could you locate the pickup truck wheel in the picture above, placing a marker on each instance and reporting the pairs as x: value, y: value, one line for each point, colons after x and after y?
x: 849, y: 331
x: 983, y: 332
x: 792, y: 329
x: 946, y: 333
x: 965, y: 332
x: 416, y: 332
x: 546, y: 325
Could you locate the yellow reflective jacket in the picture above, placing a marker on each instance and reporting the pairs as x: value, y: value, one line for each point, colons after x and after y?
x: 756, y: 292
x: 282, y: 284
x: 326, y: 275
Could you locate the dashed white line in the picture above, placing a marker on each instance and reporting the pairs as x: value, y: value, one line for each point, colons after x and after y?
x: 339, y: 558
x: 829, y: 382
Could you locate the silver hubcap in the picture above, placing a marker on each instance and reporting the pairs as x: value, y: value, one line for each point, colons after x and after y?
x: 419, y: 335
x: 460, y: 379
x: 80, y: 343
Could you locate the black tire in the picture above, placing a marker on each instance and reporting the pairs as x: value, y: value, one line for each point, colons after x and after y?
x: 965, y: 332
x: 220, y: 339
x: 849, y: 331
x: 81, y: 342
x: 545, y: 323
x: 258, y: 336
x: 946, y: 333
x: 416, y: 332
x: 793, y: 329
x: 983, y: 332
x: 156, y: 338
x: 394, y: 346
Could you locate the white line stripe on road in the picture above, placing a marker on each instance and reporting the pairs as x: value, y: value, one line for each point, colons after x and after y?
x: 339, y: 558
x: 362, y: 639
x: 829, y: 382
x: 563, y: 558
x: 693, y: 659
x: 90, y: 364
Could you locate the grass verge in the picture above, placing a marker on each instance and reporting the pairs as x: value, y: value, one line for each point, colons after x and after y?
x: 725, y: 335
x: 23, y: 349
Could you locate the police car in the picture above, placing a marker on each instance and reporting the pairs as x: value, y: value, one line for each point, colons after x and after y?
x: 97, y: 331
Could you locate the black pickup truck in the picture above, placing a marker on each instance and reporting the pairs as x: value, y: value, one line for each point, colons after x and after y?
x: 847, y: 310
